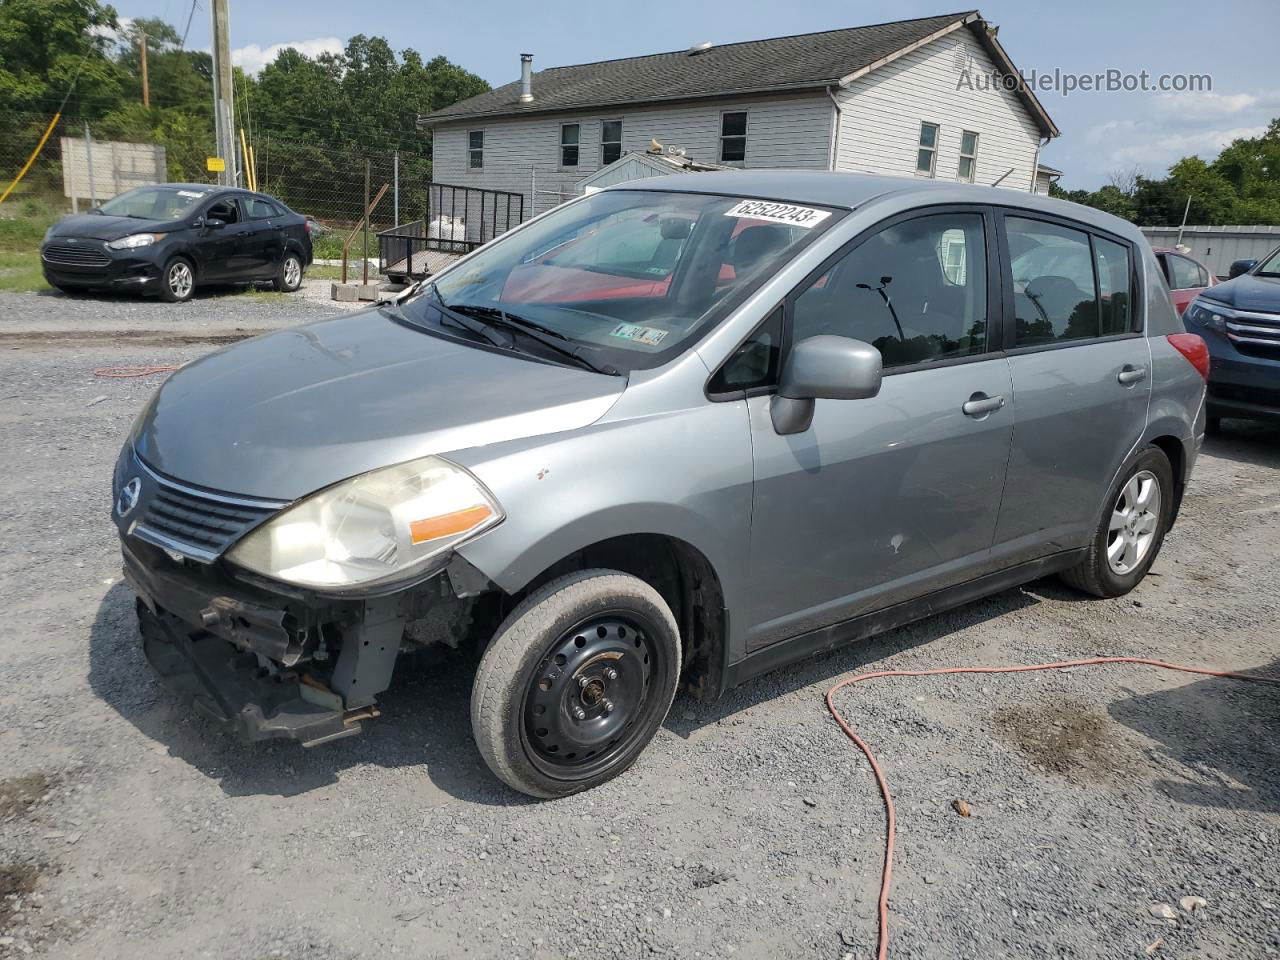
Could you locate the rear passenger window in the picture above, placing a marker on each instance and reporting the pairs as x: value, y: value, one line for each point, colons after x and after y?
x: 1186, y: 273
x: 1114, y: 283
x: 1053, y: 285
x: 262, y: 210
x: 916, y: 291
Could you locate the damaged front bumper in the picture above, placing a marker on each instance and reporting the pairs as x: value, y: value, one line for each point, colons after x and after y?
x: 267, y: 666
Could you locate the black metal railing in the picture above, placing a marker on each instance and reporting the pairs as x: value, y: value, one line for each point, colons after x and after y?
x: 457, y: 220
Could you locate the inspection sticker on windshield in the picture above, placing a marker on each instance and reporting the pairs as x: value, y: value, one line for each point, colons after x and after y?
x: 649, y: 336
x: 789, y: 213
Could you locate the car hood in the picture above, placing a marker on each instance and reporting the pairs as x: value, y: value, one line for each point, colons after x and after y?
x: 288, y: 413
x: 1247, y: 292
x: 92, y: 226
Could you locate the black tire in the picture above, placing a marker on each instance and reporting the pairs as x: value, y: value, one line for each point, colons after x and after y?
x: 177, y: 280
x: 600, y: 642
x: 289, y: 275
x: 1096, y: 573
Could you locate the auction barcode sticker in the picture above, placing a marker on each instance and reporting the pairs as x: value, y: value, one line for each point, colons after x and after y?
x: 774, y: 212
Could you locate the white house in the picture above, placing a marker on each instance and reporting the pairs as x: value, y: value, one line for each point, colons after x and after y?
x: 933, y: 97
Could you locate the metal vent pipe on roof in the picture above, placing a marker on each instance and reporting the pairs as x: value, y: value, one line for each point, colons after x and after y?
x: 526, y: 78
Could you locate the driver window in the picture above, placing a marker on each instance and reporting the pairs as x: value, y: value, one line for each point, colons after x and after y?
x: 224, y: 210
x: 916, y: 291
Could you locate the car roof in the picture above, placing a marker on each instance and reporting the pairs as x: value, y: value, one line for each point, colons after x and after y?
x: 850, y: 190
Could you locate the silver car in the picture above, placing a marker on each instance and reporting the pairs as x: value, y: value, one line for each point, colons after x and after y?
x: 675, y: 433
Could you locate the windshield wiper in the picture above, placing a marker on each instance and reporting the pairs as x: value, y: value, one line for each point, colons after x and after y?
x: 478, y: 327
x: 551, y: 339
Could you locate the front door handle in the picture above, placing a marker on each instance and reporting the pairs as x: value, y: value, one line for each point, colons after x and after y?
x: 979, y: 405
x: 1130, y: 374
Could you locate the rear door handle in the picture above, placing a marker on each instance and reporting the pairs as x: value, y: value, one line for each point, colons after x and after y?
x: 1130, y: 374
x: 979, y: 405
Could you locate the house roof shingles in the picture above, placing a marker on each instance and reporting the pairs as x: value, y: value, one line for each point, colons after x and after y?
x: 796, y: 62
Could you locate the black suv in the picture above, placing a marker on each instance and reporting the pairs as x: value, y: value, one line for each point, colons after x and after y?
x: 171, y: 237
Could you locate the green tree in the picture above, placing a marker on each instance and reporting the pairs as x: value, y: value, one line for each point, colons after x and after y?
x: 45, y: 45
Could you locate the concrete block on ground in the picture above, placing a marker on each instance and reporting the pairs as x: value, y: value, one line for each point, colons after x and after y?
x: 344, y: 292
x: 367, y: 291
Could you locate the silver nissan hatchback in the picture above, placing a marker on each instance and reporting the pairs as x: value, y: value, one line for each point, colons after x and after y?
x: 678, y: 432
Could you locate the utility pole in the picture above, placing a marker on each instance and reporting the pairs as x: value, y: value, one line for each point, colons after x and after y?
x: 146, y: 87
x: 222, y: 93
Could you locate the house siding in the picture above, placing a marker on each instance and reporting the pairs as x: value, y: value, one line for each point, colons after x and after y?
x: 881, y: 115
x: 781, y: 132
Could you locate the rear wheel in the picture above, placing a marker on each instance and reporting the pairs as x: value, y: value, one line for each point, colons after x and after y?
x: 575, y: 683
x: 1131, y: 530
x: 289, y: 276
x: 178, y: 281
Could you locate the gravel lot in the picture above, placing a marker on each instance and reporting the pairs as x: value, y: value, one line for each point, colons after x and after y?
x: 749, y: 828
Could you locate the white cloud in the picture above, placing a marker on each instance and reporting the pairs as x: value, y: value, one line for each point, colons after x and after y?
x: 1156, y: 149
x: 252, y: 58
x: 1213, y: 106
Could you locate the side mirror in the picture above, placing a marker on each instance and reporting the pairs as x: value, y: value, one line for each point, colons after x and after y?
x: 213, y: 224
x: 1239, y: 267
x: 823, y: 368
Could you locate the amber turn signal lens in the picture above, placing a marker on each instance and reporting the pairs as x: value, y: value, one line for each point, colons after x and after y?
x: 447, y: 524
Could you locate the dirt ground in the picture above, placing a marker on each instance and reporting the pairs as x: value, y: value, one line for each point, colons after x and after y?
x: 750, y: 828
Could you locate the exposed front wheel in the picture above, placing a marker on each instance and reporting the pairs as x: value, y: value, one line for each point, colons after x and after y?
x: 178, y: 282
x: 289, y: 277
x: 575, y: 683
x: 1131, y: 530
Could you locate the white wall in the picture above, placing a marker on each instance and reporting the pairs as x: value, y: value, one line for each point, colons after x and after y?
x: 881, y: 115
x: 792, y: 132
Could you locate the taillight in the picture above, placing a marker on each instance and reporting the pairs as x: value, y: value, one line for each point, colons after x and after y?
x: 306, y: 225
x: 1193, y: 347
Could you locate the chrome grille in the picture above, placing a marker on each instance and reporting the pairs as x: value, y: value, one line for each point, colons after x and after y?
x: 1254, y: 329
x: 75, y: 255
x: 196, y: 523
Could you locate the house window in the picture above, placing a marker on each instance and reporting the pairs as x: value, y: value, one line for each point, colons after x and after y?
x: 475, y: 149
x: 569, y: 134
x: 927, y: 154
x: 733, y: 137
x: 610, y: 141
x: 968, y: 156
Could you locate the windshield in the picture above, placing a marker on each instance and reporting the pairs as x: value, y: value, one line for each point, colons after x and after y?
x: 629, y: 277
x: 154, y: 203
x: 1269, y: 267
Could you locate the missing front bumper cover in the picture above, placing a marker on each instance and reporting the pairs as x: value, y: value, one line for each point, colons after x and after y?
x: 228, y: 687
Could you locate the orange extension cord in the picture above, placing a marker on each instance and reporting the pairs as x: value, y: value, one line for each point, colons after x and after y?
x: 891, y: 830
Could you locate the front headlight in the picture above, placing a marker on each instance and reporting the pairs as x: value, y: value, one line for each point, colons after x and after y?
x: 381, y: 525
x: 133, y: 241
x: 1208, y: 313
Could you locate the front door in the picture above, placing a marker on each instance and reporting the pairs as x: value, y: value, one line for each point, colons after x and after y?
x: 885, y: 499
x: 1081, y: 381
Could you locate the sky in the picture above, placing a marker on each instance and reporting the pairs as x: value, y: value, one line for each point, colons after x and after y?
x: 1233, y: 42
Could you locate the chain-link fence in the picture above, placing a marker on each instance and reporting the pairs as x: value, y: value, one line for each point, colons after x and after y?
x: 323, y: 181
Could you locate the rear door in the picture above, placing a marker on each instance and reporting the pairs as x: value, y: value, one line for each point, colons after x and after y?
x: 268, y: 235
x: 887, y: 498
x: 1081, y: 379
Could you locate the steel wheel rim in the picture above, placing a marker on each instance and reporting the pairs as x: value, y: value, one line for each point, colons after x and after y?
x: 292, y: 272
x: 180, y: 279
x: 1135, y: 521
x: 589, y: 700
